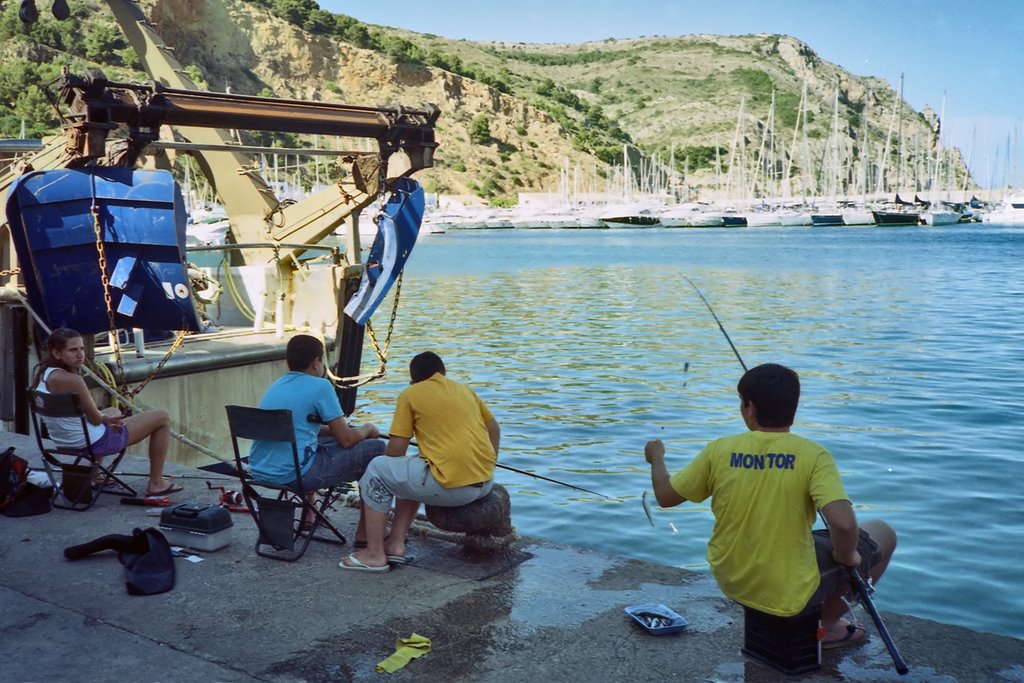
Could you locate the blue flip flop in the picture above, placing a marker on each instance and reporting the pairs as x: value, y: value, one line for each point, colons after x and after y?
x: 401, y: 559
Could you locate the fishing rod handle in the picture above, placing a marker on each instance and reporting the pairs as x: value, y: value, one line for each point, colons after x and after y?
x: 864, y: 592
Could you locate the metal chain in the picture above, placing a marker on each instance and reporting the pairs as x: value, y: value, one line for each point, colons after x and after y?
x: 8, y: 273
x: 382, y: 354
x: 122, y: 384
x: 179, y: 340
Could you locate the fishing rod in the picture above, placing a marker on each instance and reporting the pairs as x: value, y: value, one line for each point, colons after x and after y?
x: 212, y: 475
x: 857, y: 582
x: 643, y: 500
x: 712, y: 311
x: 864, y: 590
x: 411, y: 443
x: 553, y: 481
x: 528, y: 474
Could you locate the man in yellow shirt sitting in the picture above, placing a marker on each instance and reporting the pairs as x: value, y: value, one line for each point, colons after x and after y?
x: 458, y: 440
x: 765, y: 486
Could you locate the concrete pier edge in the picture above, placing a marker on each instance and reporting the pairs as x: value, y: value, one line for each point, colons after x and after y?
x: 535, y: 610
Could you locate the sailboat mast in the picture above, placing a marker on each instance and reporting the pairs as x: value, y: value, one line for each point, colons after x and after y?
x: 883, y: 165
x: 899, y: 137
x: 865, y: 158
x: 787, y: 188
x: 834, y: 181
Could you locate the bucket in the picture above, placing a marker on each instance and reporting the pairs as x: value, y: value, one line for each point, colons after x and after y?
x: 76, y: 483
x: 277, y: 523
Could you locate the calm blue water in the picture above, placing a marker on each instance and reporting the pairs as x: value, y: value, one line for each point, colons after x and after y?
x: 909, y: 343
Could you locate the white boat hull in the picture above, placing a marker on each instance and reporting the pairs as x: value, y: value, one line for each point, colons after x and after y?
x: 940, y: 217
x: 762, y: 220
x: 795, y: 219
x: 1011, y: 212
x: 858, y: 218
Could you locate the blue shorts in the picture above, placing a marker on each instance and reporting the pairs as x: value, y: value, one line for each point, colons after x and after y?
x: 114, y: 440
x: 334, y: 465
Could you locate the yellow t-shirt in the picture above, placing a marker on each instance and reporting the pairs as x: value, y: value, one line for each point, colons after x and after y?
x: 448, y: 422
x: 765, y: 488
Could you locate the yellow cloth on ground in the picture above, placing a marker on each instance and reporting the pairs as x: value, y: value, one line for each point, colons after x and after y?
x: 406, y: 649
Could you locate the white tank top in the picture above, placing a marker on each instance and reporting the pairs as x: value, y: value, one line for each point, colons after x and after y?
x: 67, y: 431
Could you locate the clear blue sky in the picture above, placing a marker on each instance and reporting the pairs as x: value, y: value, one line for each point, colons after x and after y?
x: 973, y: 52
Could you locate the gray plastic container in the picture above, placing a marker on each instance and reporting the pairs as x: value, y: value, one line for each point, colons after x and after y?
x: 197, y: 526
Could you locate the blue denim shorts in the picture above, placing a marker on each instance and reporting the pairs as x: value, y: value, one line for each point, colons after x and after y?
x: 334, y: 465
x: 114, y: 440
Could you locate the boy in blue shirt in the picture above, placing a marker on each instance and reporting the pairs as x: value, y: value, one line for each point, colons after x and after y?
x: 330, y: 451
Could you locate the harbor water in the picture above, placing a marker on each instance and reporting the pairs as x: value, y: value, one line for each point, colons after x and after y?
x: 585, y: 344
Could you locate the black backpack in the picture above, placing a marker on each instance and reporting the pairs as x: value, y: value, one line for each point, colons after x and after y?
x: 18, y: 498
x: 146, y: 556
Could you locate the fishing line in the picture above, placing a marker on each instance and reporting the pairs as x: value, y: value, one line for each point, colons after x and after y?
x: 712, y: 311
x: 643, y: 500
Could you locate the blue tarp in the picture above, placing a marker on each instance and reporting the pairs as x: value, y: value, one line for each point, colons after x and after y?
x: 52, y: 216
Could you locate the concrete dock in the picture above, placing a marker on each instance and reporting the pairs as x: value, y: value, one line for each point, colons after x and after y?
x: 535, y: 611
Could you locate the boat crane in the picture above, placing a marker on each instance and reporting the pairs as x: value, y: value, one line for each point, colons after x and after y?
x: 114, y: 124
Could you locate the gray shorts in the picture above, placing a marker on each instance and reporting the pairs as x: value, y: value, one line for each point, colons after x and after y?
x: 832, y: 574
x: 410, y: 478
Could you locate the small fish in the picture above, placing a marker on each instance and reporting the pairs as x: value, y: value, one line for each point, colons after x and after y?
x: 653, y: 616
x: 653, y: 621
x: 647, y: 508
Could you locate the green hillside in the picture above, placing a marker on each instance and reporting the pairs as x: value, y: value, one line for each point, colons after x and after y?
x: 520, y: 117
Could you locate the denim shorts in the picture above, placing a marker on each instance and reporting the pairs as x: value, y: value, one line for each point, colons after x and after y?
x: 832, y: 574
x: 114, y: 440
x: 334, y: 465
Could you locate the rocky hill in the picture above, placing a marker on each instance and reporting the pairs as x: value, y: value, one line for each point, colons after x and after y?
x: 522, y: 118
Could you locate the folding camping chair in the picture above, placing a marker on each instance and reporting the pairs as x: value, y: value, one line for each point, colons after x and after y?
x: 273, y: 506
x: 73, y: 490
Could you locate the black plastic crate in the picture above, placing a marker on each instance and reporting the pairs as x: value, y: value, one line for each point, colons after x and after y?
x: 790, y: 644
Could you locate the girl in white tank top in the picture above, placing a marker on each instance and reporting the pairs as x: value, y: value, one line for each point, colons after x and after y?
x: 67, y: 431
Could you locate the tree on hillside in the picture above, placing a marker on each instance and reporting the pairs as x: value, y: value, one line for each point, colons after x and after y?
x: 480, y: 129
x: 23, y: 100
x: 101, y: 44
